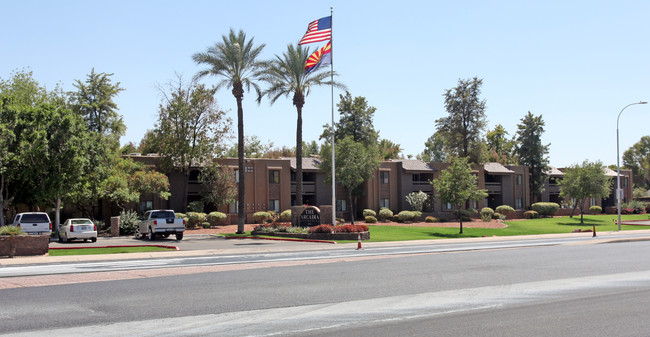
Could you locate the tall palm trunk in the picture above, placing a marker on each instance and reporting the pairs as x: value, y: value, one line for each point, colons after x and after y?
x: 238, y: 92
x: 299, y: 101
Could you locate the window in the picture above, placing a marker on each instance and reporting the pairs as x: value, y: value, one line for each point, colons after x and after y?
x: 274, y: 205
x: 274, y: 177
x: 625, y: 182
x: 194, y: 176
x: 383, y: 177
x: 384, y: 203
x: 234, y: 207
x: 519, y: 203
x: 237, y: 177
x: 592, y: 202
x: 447, y: 206
x: 341, y: 206
x: 518, y: 179
x: 145, y: 206
x: 473, y: 204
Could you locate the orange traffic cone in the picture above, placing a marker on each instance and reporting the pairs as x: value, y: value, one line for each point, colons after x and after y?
x: 594, y: 232
x: 359, y: 239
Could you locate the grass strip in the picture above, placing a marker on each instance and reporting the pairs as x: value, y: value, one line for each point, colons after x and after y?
x: 110, y: 250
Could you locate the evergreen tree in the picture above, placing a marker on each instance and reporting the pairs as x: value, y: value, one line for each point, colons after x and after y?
x: 532, y: 152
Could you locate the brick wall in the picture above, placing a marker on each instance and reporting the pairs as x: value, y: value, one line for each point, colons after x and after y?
x: 26, y: 245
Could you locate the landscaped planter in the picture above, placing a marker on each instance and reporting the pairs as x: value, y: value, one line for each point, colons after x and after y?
x: 318, y: 236
x: 24, y: 245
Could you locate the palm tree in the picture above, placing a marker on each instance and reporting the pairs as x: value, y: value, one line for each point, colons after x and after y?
x: 285, y: 76
x: 235, y: 60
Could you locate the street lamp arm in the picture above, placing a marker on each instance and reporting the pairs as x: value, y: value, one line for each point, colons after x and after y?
x: 619, y: 114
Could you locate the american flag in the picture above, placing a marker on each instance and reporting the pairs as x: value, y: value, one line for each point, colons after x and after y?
x: 318, y: 30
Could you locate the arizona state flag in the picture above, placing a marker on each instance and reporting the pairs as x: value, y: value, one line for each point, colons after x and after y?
x: 320, y: 58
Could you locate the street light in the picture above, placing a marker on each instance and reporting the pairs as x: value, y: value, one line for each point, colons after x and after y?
x: 618, y: 167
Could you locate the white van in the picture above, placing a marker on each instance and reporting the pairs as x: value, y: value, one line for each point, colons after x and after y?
x: 33, y: 222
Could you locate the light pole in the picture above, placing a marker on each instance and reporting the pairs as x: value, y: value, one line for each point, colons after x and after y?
x: 618, y: 167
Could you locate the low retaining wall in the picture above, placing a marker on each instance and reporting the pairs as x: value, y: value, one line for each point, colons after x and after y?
x: 318, y: 236
x: 24, y: 245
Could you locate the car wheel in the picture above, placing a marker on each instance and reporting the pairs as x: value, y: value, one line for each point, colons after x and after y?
x: 85, y: 240
x: 93, y: 240
x: 165, y: 236
x: 179, y: 236
x: 138, y: 235
x: 152, y: 235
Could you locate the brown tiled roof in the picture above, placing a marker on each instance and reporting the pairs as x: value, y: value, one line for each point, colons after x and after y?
x: 609, y: 172
x: 553, y: 172
x: 496, y: 168
x: 308, y: 164
x: 414, y: 165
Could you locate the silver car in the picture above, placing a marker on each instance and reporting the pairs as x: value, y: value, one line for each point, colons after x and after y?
x: 78, y: 229
x: 33, y: 222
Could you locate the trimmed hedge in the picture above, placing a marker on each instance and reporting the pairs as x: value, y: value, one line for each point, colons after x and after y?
x: 370, y: 219
x: 430, y: 219
x: 285, y: 215
x: 505, y: 210
x: 545, y: 208
x: 385, y: 214
x: 595, y: 209
x: 261, y: 217
x: 216, y: 218
x: 531, y: 215
x: 369, y: 212
x: 194, y: 219
x: 406, y: 216
x: 486, y: 214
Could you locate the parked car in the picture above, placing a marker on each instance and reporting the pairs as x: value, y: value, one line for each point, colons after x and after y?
x: 78, y: 229
x: 161, y: 223
x: 33, y: 222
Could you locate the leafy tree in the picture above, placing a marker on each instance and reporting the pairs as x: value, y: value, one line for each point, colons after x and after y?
x: 93, y: 100
x: 457, y: 185
x: 235, y: 59
x: 253, y: 148
x: 128, y: 148
x: 219, y: 185
x: 417, y: 200
x: 355, y: 121
x: 532, y: 152
x: 500, y: 146
x: 129, y: 180
x: 149, y: 143
x: 311, y: 148
x: 640, y: 192
x: 190, y: 127
x: 585, y: 181
x: 462, y: 128
x: 355, y: 164
x: 637, y: 158
x: 286, y: 76
x: 389, y: 150
x: 434, y: 149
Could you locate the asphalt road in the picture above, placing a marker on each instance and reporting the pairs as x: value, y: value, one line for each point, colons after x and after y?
x: 566, y: 290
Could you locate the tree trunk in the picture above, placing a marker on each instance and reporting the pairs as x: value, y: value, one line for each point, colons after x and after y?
x: 238, y: 92
x: 351, y: 207
x: 581, y: 214
x: 299, y: 157
x: 460, y: 219
x: 57, y: 216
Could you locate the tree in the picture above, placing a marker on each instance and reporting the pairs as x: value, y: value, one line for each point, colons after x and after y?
x: 457, y: 185
x: 253, y: 148
x: 149, y: 143
x: 355, y: 121
x: 501, y: 148
x: 532, y: 152
x: 462, y: 128
x: 355, y: 164
x: 637, y: 158
x: 93, y: 100
x: 190, y: 127
x: 585, y: 181
x: 286, y: 76
x: 235, y: 60
x: 388, y: 150
x: 129, y: 180
x: 219, y: 186
x: 434, y: 149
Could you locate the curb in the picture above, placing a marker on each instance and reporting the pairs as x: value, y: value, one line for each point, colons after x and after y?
x: 118, y: 246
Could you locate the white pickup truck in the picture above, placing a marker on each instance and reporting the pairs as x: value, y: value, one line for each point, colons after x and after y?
x: 161, y: 222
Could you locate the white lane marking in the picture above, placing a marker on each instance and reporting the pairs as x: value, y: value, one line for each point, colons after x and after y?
x: 297, y: 319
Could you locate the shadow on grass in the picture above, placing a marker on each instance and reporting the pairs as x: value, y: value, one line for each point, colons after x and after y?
x: 451, y: 236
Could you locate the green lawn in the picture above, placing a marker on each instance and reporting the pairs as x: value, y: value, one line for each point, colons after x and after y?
x: 112, y: 250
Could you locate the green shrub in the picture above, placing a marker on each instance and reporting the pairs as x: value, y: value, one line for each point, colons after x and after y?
x: 217, y: 218
x: 417, y: 200
x: 545, y: 208
x: 195, y: 218
x: 465, y: 214
x: 11, y: 230
x: 443, y: 219
x: 261, y: 217
x: 285, y: 215
x: 430, y: 219
x: 370, y: 219
x: 369, y: 212
x: 385, y: 214
x: 128, y: 222
x: 418, y: 215
x: 486, y: 214
x: 531, y: 215
x: 321, y: 229
x: 498, y: 216
x: 505, y: 210
x: 406, y: 216
x: 634, y: 207
x: 206, y: 224
x: 595, y: 209
x: 195, y: 206
x: 180, y: 215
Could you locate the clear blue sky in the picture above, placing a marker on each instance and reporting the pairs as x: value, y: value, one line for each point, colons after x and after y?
x: 578, y: 63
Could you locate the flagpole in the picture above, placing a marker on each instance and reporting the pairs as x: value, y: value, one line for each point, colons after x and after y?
x: 333, y: 127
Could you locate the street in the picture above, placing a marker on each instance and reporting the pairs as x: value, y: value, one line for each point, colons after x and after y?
x: 559, y: 290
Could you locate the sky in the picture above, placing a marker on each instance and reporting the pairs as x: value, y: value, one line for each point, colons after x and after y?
x: 576, y: 63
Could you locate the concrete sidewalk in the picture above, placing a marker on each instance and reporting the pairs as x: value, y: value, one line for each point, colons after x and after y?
x: 260, y: 246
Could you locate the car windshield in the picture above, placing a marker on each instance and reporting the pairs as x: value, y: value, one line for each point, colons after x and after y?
x: 81, y: 222
x: 34, y: 218
x: 162, y: 215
